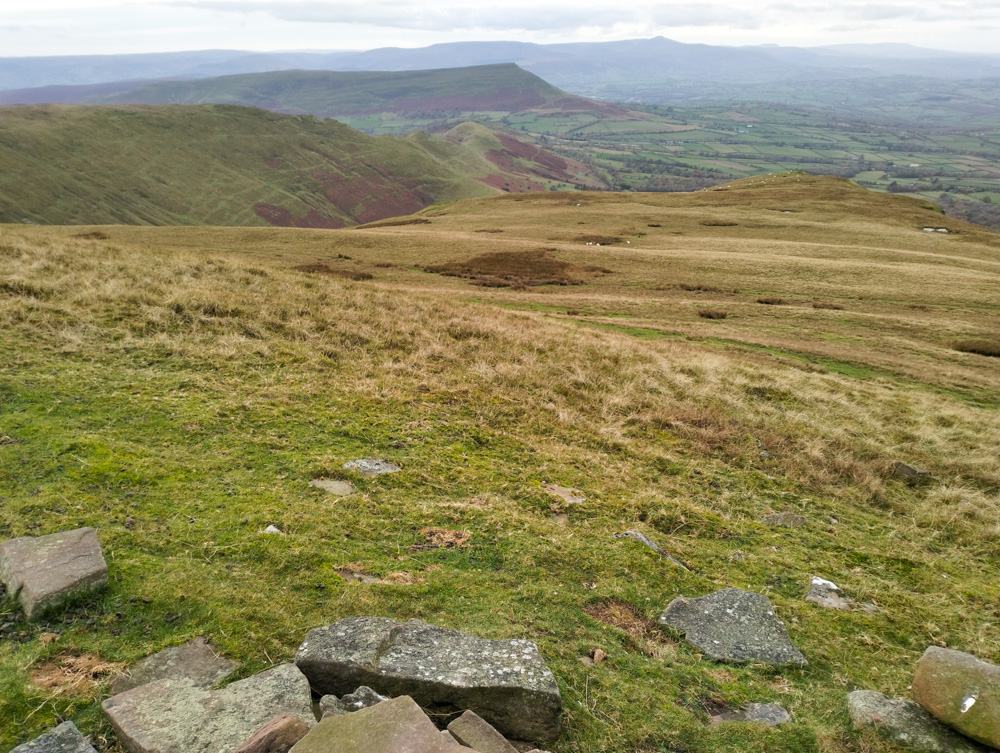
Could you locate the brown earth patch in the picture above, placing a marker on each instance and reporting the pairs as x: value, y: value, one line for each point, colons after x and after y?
x: 73, y: 674
x: 510, y: 269
x: 443, y: 538
x: 274, y: 162
x: 622, y: 615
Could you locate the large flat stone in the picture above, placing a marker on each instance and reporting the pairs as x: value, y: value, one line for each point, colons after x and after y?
x: 176, y: 716
x: 906, y: 724
x: 394, y: 726
x: 65, y: 738
x: 195, y: 660
x: 770, y: 714
x: 960, y: 690
x: 46, y: 571
x: 733, y: 626
x: 506, y: 682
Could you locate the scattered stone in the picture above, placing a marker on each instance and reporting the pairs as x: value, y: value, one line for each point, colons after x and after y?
x: 960, y: 690
x: 770, y: 714
x: 474, y: 732
x: 194, y: 660
x: 906, y: 724
x: 371, y: 467
x: 784, y: 520
x: 359, y: 576
x: 644, y: 539
x: 273, y: 530
x: 47, y: 571
x: 333, y: 486
x: 174, y: 714
x: 568, y: 495
x: 277, y: 736
x: 596, y: 656
x: 733, y: 626
x: 908, y: 473
x: 395, y: 726
x: 504, y: 681
x: 827, y: 594
x: 362, y: 698
x: 65, y: 738
x: 129, y: 523
x: 330, y: 705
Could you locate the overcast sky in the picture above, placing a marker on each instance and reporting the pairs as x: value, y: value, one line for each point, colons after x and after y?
x: 65, y: 27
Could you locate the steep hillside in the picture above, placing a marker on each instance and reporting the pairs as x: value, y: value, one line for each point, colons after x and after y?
x: 221, y: 165
x: 692, y: 364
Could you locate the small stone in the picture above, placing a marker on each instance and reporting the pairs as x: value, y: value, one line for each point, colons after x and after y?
x: 770, y: 714
x: 277, y: 736
x: 785, y: 520
x: 734, y: 626
x: 909, y: 474
x: 333, y: 486
x: 827, y: 594
x: 371, y: 466
x: 960, y: 690
x: 737, y: 556
x: 905, y: 723
x: 273, y: 530
x: 129, y: 523
x: 474, y: 732
x: 65, y: 738
x: 330, y: 705
x: 362, y: 698
x: 46, y: 571
x: 194, y: 660
x: 565, y: 493
x: 598, y: 655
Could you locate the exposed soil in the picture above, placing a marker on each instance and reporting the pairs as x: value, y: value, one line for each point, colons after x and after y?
x: 622, y: 615
x: 511, y: 269
x: 443, y: 538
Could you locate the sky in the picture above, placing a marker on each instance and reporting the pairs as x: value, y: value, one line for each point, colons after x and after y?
x: 79, y: 27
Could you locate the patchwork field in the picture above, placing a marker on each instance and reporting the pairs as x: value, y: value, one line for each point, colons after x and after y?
x: 689, y: 362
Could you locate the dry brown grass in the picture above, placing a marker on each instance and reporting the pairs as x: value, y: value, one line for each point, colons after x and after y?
x: 979, y: 347
x: 511, y: 269
x: 712, y: 313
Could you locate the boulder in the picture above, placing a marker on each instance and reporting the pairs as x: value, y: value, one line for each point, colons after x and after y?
x: 394, y: 726
x: 195, y: 660
x: 46, y: 571
x: 827, y: 594
x: 960, y: 690
x: 770, y: 714
x: 733, y: 626
x: 371, y: 466
x: 909, y: 474
x: 472, y: 731
x: 277, y: 736
x: 506, y: 682
x: 65, y: 738
x: 905, y: 724
x: 174, y: 715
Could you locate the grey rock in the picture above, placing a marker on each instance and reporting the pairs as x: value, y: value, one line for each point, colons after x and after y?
x: 333, y: 486
x: 474, y: 732
x: 395, y: 726
x: 827, y: 594
x: 46, y: 571
x: 908, y: 473
x: 784, y: 520
x: 330, y: 705
x: 362, y: 698
x: 906, y: 724
x: 65, y: 738
x: 734, y: 626
x: 195, y: 660
x: 371, y: 466
x: 770, y: 714
x: 962, y: 691
x: 177, y: 716
x: 504, y: 681
x: 448, y: 737
x: 277, y: 736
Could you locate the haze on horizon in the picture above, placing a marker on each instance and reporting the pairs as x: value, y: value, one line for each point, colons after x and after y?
x: 80, y: 27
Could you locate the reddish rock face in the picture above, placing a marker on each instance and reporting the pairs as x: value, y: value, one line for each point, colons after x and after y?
x: 960, y: 690
x: 277, y: 736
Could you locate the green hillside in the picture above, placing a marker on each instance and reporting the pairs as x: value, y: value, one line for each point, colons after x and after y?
x: 221, y: 165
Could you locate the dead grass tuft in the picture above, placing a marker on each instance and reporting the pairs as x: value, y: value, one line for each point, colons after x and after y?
x: 712, y: 314
x: 73, y: 674
x: 772, y: 301
x: 443, y: 538
x: 93, y: 235
x: 622, y: 615
x: 979, y: 347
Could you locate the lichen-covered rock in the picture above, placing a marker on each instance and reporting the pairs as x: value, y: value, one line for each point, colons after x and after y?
x: 960, y: 690
x: 472, y: 731
x: 177, y: 716
x: 504, y: 681
x: 784, y: 520
x: 371, y: 466
x: 43, y: 572
x: 195, y: 660
x: 65, y: 738
x: 906, y: 724
x: 733, y: 626
x: 770, y: 714
x: 394, y: 726
x: 827, y: 594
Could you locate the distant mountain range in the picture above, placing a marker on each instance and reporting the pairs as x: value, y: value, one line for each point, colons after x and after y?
x: 603, y: 69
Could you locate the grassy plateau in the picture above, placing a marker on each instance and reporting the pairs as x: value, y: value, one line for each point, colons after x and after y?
x: 178, y: 388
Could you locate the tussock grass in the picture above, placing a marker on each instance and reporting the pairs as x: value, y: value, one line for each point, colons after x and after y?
x: 193, y: 380
x: 979, y: 347
x: 712, y: 314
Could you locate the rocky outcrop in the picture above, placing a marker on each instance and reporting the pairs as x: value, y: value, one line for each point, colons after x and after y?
x: 827, y: 594
x: 905, y: 724
x: 504, y: 681
x: 733, y: 626
x: 194, y: 660
x: 46, y: 571
x: 178, y: 716
x: 65, y: 738
x: 960, y: 690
